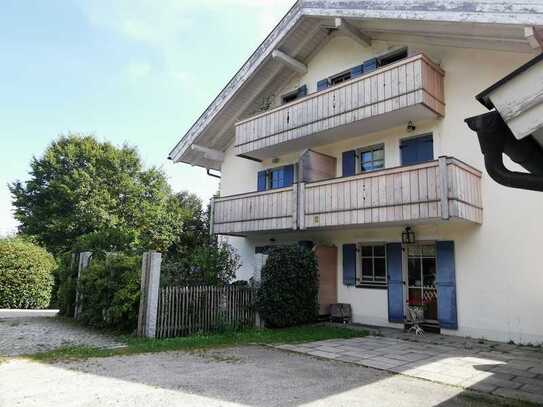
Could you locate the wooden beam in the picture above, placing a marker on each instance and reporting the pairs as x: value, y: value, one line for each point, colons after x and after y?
x: 287, y: 60
x: 263, y: 85
x: 534, y: 36
x: 351, y: 31
x: 210, y: 154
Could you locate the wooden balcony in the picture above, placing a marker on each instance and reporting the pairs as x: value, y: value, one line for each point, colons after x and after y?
x: 256, y: 211
x: 396, y: 196
x: 410, y: 89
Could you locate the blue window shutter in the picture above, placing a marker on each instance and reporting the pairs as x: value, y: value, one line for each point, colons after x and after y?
x: 261, y: 183
x: 276, y: 178
x: 348, y: 163
x: 357, y: 71
x: 302, y: 91
x: 426, y: 149
x: 370, y: 65
x: 408, y: 151
x: 446, y: 286
x: 395, y: 283
x: 288, y: 175
x: 349, y: 264
x: 417, y: 150
x: 322, y: 84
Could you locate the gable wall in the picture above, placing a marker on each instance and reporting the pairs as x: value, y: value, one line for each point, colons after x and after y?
x: 499, y: 279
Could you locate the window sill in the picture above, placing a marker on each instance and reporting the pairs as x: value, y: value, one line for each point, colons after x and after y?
x: 372, y: 286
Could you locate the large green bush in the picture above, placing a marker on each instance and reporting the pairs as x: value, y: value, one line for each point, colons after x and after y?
x: 26, y: 274
x: 289, y: 289
x: 110, y: 292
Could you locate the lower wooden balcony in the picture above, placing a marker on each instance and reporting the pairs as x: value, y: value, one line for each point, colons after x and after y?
x: 436, y: 191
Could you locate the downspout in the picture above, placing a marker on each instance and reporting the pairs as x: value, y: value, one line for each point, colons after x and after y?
x: 496, y: 139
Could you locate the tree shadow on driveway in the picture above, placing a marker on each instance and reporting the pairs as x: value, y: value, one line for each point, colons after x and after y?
x: 249, y: 376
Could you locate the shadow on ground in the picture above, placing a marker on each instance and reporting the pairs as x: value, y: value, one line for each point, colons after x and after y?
x: 249, y: 376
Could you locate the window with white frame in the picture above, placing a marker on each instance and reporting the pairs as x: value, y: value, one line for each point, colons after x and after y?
x: 373, y: 267
x: 372, y: 158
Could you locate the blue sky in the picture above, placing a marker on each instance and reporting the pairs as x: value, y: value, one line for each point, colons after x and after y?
x: 128, y: 71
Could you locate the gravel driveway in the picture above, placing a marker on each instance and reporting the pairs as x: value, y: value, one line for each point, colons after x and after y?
x: 243, y: 376
x: 23, y: 334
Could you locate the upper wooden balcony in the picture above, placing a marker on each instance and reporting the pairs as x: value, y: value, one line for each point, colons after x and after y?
x: 407, y: 90
x: 436, y: 191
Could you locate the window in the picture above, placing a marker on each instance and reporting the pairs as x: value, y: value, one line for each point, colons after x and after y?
x: 368, y: 66
x: 417, y: 149
x: 342, y: 77
x: 363, y: 160
x: 372, y: 158
x: 273, y: 178
x: 373, y: 270
x: 295, y: 94
x: 392, y: 57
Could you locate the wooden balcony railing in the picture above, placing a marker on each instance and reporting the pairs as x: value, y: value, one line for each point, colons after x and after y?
x: 255, y: 211
x: 410, y: 89
x: 403, y: 194
x: 409, y: 194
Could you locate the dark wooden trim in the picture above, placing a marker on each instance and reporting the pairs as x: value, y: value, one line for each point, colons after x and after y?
x: 249, y: 158
x: 370, y: 286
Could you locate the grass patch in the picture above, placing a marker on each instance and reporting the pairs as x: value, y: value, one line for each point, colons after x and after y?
x: 251, y: 336
x: 473, y: 399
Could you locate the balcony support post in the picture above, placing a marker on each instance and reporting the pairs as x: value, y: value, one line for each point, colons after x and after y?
x: 211, y: 215
x: 301, y: 205
x: 444, y: 180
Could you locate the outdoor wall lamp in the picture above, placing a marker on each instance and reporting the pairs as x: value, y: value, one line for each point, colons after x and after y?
x: 408, y: 236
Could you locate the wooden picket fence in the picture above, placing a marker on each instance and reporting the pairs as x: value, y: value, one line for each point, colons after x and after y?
x: 185, y: 311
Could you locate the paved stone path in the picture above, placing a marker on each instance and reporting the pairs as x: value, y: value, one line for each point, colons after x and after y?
x: 504, y: 370
x: 24, y: 335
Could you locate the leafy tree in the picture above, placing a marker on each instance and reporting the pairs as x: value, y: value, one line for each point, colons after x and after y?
x: 196, y: 258
x: 83, y: 192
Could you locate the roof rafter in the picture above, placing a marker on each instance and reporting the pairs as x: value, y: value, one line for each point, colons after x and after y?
x: 289, y: 61
x: 351, y: 31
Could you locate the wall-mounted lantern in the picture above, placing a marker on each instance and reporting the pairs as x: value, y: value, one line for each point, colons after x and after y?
x: 408, y: 236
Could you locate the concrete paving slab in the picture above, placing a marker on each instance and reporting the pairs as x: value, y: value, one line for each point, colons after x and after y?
x: 456, y: 362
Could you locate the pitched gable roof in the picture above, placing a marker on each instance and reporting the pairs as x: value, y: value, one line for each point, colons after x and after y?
x: 303, y: 28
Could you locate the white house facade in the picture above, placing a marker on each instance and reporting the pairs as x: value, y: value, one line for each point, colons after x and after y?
x: 345, y: 131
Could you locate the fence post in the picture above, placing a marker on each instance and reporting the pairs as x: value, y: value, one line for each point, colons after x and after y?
x: 150, y: 284
x: 83, y: 264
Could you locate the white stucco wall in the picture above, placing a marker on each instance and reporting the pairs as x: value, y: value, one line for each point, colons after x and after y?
x: 498, y: 271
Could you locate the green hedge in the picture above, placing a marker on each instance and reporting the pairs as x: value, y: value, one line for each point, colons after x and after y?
x: 26, y: 274
x: 66, y: 282
x: 110, y: 292
x: 289, y: 288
